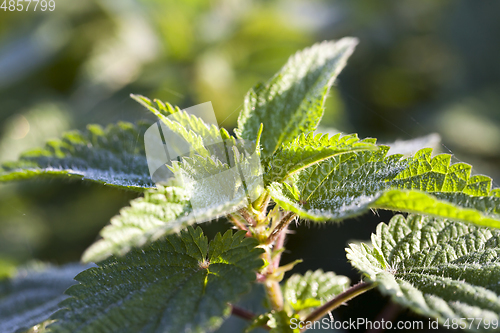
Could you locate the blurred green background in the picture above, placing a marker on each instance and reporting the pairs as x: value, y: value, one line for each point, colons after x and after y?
x: 421, y: 67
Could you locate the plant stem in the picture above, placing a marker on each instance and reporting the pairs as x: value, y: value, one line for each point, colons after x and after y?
x: 282, y: 225
x: 278, y: 245
x: 242, y: 313
x: 271, y: 285
x: 338, y: 301
x: 236, y: 221
x: 248, y: 217
x: 245, y: 314
x: 272, y: 242
x: 274, y: 294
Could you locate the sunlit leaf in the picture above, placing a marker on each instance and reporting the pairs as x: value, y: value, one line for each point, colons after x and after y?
x: 439, y: 268
x: 350, y: 184
x: 292, y: 101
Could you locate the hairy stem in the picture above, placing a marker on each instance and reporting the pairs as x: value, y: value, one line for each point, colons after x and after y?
x: 341, y: 298
x: 237, y: 222
x: 274, y: 242
x: 274, y: 294
x: 271, y: 285
x: 248, y: 217
x: 278, y: 245
x: 281, y: 227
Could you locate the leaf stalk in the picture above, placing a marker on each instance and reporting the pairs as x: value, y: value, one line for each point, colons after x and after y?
x: 340, y: 299
x: 245, y: 314
x: 281, y: 227
x: 248, y: 217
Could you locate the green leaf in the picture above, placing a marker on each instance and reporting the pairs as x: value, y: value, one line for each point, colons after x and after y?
x: 350, y: 184
x: 277, y: 321
x: 160, y: 212
x: 307, y: 150
x: 184, y: 129
x: 33, y: 296
x: 113, y: 156
x: 313, y: 289
x: 436, y: 267
x: 180, y: 284
x: 206, y: 151
x: 157, y: 107
x: 169, y: 114
x: 418, y: 202
x: 200, y: 188
x: 291, y: 102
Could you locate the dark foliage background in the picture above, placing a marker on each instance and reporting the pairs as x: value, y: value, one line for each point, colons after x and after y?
x: 421, y: 67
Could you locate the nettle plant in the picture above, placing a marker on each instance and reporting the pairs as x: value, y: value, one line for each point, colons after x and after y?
x: 155, y: 272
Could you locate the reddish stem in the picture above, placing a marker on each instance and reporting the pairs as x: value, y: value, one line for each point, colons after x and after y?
x: 237, y: 223
x: 248, y: 217
x: 282, y: 225
x: 245, y: 314
x: 278, y: 245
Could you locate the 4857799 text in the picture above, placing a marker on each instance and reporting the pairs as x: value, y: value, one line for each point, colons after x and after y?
x: 27, y: 5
